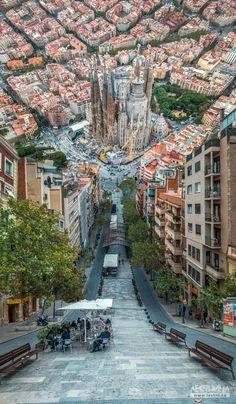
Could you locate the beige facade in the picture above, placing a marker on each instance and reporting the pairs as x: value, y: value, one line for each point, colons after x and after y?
x: 168, y: 226
x: 210, y: 213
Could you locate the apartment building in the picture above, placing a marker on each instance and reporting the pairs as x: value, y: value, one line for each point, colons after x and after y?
x: 210, y: 213
x: 10, y: 309
x: 8, y: 170
x: 43, y: 183
x: 169, y: 227
x: 71, y: 212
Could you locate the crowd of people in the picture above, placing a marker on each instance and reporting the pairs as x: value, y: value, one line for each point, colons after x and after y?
x: 65, y: 334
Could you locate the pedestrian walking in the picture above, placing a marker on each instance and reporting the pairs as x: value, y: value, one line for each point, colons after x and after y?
x: 179, y: 310
x: 205, y: 314
x: 183, y: 313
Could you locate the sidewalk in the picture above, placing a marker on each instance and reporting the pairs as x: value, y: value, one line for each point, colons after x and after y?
x: 8, y: 332
x: 171, y: 309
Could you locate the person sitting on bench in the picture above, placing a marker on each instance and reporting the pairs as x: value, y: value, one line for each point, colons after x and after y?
x: 65, y: 335
x: 52, y: 341
x: 104, y: 335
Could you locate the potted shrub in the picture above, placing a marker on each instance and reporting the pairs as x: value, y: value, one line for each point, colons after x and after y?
x: 42, y: 334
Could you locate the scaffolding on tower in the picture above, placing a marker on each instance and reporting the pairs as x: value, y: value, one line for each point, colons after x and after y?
x: 129, y: 145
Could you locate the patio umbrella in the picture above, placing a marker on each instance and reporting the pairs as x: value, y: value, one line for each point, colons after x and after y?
x: 89, y: 305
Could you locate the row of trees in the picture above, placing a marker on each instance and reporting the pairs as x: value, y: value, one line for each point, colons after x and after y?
x: 35, y: 256
x: 148, y: 250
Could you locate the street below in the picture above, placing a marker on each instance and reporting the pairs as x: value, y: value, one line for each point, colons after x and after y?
x: 140, y: 366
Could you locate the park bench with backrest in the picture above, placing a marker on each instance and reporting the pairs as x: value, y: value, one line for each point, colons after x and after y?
x: 12, y: 360
x: 160, y: 327
x: 176, y: 336
x: 213, y: 357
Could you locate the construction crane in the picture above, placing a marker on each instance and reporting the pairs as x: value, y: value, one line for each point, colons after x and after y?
x: 129, y: 145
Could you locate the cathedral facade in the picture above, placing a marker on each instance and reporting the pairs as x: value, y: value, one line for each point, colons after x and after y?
x: 120, y: 104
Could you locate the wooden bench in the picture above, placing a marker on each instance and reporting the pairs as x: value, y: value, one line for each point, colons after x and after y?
x: 160, y: 327
x: 16, y: 358
x: 213, y: 357
x: 176, y: 336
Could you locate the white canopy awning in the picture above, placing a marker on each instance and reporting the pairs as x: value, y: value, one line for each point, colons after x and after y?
x: 90, y: 305
x: 110, y: 261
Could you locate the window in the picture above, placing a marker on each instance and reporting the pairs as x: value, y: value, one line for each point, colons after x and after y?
x: 194, y: 274
x: 197, y: 187
x: 8, y: 167
x: 189, y: 189
x: 193, y: 252
x: 190, y: 227
x: 198, y: 229
x: 198, y: 255
x: 189, y: 170
x: 198, y: 208
x: 197, y: 166
x: 190, y: 208
x: 189, y: 250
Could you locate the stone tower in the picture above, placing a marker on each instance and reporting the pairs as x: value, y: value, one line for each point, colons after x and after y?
x: 123, y: 108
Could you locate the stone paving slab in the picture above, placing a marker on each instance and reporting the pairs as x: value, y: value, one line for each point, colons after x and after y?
x: 139, y: 367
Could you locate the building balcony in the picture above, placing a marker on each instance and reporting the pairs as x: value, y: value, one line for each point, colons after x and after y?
x: 4, y: 197
x: 160, y: 220
x: 172, y: 247
x: 159, y: 230
x: 212, y: 218
x: 174, y: 234
x: 215, y: 194
x: 172, y: 218
x: 160, y: 209
x: 232, y: 252
x: 214, y: 272
x: 175, y: 266
x: 213, y: 242
x: 212, y: 170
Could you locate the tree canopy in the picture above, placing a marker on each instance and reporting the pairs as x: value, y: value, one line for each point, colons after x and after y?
x: 148, y: 254
x: 213, y: 296
x: 129, y: 211
x: 138, y: 231
x: 168, y: 283
x: 172, y: 98
x: 35, y: 256
x: 128, y: 187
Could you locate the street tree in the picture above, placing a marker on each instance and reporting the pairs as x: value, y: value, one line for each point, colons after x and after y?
x: 128, y: 187
x: 138, y: 231
x: 129, y: 211
x: 169, y: 284
x: 100, y: 219
x: 148, y: 254
x: 213, y: 296
x: 35, y: 257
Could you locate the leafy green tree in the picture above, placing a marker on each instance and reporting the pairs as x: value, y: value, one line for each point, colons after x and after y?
x: 230, y: 285
x: 59, y: 159
x: 148, y: 254
x: 3, y: 132
x: 129, y: 211
x: 212, y: 297
x: 169, y: 284
x: 35, y: 257
x: 138, y: 231
x: 105, y: 205
x: 128, y: 187
x: 100, y: 220
x: 26, y: 150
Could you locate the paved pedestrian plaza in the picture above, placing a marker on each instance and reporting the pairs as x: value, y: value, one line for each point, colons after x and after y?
x: 139, y: 367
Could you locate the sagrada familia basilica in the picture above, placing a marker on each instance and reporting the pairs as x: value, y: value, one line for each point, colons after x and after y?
x: 120, y: 104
